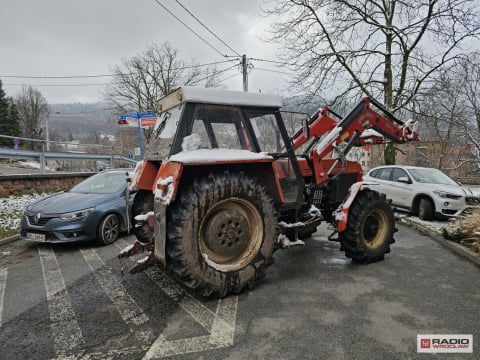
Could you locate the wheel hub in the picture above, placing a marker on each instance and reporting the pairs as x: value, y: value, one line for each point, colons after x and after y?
x: 375, y: 229
x: 227, y: 233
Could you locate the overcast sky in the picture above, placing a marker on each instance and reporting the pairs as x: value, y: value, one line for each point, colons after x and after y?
x: 89, y: 37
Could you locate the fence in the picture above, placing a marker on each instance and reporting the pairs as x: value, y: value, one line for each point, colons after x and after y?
x: 43, y: 156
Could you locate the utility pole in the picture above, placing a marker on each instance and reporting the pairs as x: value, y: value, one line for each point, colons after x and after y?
x: 245, y: 73
x: 46, y: 132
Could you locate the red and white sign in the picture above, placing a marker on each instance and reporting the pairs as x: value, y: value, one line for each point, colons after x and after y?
x: 445, y: 343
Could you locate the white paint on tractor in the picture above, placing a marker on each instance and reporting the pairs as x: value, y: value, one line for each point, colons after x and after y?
x: 66, y: 332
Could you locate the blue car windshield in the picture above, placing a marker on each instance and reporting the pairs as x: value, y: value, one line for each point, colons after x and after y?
x: 102, y: 183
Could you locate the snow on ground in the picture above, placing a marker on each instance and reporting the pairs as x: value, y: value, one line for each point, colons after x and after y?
x: 30, y: 165
x: 435, y: 226
x: 12, y: 208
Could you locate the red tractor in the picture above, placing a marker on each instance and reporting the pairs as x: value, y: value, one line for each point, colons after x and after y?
x: 223, y: 185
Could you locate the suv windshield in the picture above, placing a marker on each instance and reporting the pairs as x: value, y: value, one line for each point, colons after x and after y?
x: 431, y: 176
x: 164, y: 133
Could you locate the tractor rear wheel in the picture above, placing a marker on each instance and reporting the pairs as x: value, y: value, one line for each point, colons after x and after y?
x: 370, y: 228
x: 221, y: 232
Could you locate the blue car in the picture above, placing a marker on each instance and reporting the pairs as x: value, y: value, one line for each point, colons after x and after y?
x: 96, y: 208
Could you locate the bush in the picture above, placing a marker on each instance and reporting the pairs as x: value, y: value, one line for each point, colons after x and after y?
x: 465, y: 230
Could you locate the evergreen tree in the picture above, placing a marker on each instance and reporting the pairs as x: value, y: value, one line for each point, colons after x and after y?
x: 9, y: 119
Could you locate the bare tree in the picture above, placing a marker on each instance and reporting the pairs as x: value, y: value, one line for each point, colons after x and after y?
x: 450, y: 115
x: 140, y: 81
x: 32, y: 109
x: 383, y: 49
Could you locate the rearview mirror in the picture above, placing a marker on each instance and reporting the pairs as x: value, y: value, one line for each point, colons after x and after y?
x: 404, y: 179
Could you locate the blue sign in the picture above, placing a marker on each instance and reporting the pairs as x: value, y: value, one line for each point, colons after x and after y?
x: 147, y: 115
x: 130, y: 155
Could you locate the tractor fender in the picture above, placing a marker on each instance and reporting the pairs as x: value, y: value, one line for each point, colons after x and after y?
x: 164, y: 190
x: 340, y: 214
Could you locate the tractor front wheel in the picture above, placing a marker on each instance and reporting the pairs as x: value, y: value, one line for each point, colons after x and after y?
x: 220, y: 234
x: 370, y: 228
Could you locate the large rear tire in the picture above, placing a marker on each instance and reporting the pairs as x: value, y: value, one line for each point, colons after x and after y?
x: 370, y: 228
x: 220, y: 234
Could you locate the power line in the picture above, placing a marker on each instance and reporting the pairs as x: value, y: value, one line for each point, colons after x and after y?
x: 105, y: 75
x: 104, y: 84
x: 189, y: 28
x: 205, y: 26
x: 274, y: 71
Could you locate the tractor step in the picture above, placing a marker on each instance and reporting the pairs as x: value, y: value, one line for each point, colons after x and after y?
x: 139, y: 248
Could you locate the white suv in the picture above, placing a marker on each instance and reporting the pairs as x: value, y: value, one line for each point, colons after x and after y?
x: 425, y: 192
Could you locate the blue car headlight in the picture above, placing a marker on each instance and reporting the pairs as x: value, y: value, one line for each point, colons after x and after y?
x: 76, y: 216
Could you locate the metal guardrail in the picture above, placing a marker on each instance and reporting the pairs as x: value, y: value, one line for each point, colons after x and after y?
x: 41, y: 156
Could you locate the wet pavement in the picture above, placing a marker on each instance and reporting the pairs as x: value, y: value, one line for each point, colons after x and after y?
x: 73, y: 300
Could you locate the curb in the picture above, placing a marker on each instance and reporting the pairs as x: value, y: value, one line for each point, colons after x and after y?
x: 9, y: 239
x: 455, y: 247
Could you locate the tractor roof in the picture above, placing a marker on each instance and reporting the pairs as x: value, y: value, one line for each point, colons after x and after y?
x: 219, y: 97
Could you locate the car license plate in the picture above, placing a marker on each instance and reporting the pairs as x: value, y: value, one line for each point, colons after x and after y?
x: 35, y: 237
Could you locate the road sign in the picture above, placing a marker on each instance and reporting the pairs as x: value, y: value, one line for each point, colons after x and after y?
x: 134, y: 119
x: 137, y: 151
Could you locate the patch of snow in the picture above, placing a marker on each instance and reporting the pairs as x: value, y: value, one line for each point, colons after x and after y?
x: 370, y: 132
x: 291, y: 225
x: 436, y: 226
x: 285, y: 243
x: 215, y: 96
x: 144, y: 259
x: 217, y: 155
x: 134, y: 175
x: 143, y: 217
x: 314, y: 211
x: 126, y: 249
x: 191, y: 142
x: 13, y: 207
x: 160, y: 194
x: 30, y: 165
x: 228, y: 267
x: 327, y: 140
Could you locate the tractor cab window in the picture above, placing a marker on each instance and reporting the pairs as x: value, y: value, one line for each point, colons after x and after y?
x: 163, y: 133
x: 219, y: 127
x: 266, y: 131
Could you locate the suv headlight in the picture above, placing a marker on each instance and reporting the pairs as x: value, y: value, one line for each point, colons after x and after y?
x: 446, y: 195
x: 77, y: 216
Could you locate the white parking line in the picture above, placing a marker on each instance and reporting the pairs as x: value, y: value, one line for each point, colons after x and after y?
x: 129, y: 310
x: 3, y: 283
x: 220, y: 325
x: 67, y: 334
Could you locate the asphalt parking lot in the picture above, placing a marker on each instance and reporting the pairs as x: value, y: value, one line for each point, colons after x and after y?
x: 73, y: 301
